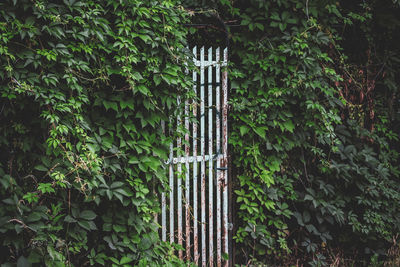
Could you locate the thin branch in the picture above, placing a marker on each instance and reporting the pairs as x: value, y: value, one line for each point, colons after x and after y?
x: 22, y: 223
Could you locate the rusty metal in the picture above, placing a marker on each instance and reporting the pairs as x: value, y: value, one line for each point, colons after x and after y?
x: 225, y: 156
x: 210, y: 164
x: 189, y: 159
x: 171, y: 196
x: 203, y: 162
x: 179, y: 184
x: 196, y: 255
x: 163, y: 205
x: 219, y: 173
x: 211, y: 241
x: 187, y: 183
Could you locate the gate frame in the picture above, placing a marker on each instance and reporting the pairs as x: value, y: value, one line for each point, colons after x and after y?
x: 221, y: 170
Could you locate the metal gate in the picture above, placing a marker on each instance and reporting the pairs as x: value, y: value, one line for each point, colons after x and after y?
x: 195, y: 212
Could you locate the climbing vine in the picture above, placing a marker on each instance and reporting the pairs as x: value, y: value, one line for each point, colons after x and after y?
x: 313, y: 131
x: 84, y: 87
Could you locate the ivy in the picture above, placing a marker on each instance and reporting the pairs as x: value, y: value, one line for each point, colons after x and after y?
x: 311, y: 172
x: 84, y: 87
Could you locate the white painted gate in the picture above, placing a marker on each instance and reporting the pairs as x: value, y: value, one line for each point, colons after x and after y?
x: 201, y: 192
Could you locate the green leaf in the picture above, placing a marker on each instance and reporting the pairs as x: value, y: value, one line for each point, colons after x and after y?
x: 145, y: 243
x: 308, y: 197
x: 119, y: 228
x: 125, y: 104
x: 225, y: 256
x: 85, y: 224
x: 34, y: 217
x: 143, y: 89
x: 243, y: 130
x: 116, y: 185
x: 133, y: 160
x: 306, y: 216
x: 112, y: 105
x: 124, y: 192
x: 87, y: 215
x: 288, y: 125
x: 41, y: 168
x: 260, y: 131
x: 125, y: 260
x: 157, y: 79
x: 69, y: 219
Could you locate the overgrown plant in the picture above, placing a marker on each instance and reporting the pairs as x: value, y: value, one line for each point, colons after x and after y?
x: 84, y: 87
x: 313, y: 127
x: 309, y: 176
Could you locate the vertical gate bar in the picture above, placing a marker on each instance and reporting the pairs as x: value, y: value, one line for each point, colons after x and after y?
x: 203, y: 164
x: 225, y: 152
x: 187, y: 182
x: 179, y: 181
x: 163, y: 205
x: 171, y: 194
x: 195, y: 218
x: 210, y: 164
x: 218, y: 151
x: 163, y: 218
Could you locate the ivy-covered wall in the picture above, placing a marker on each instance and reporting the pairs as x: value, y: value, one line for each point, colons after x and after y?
x: 84, y: 86
x: 314, y: 128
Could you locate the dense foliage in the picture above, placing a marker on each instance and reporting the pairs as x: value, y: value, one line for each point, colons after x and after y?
x: 314, y: 120
x: 314, y: 127
x: 84, y: 86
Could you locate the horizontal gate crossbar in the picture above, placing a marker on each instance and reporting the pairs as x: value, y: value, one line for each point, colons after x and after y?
x: 212, y: 63
x: 191, y: 159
